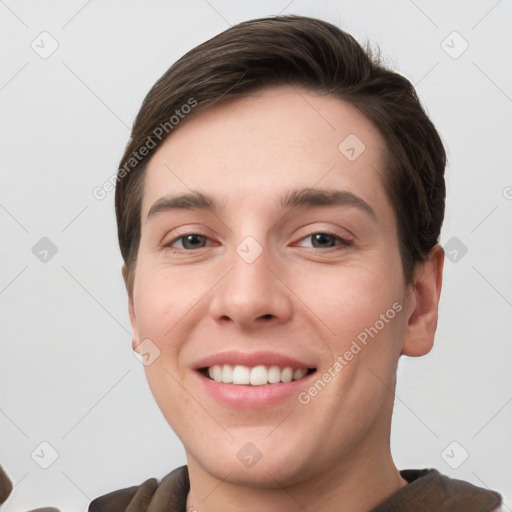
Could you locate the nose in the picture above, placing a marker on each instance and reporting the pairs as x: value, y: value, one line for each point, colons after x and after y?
x: 252, y: 294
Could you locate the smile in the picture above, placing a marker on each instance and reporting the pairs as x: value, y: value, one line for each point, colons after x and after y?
x: 259, y: 375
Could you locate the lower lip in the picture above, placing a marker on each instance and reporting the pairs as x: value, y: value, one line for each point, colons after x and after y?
x: 251, y: 397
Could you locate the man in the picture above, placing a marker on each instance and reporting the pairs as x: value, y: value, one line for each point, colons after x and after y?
x: 279, y: 206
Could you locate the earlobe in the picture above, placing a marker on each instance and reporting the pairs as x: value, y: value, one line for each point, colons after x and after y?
x: 422, y: 321
x: 124, y: 272
x: 131, y: 309
x: 133, y: 322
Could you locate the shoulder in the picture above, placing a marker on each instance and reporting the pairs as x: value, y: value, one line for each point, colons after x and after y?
x: 429, y: 490
x: 170, y: 495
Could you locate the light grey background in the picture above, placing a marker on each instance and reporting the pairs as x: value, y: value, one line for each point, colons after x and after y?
x: 68, y: 376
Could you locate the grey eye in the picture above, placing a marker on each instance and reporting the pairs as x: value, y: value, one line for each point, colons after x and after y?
x: 323, y: 240
x: 192, y: 241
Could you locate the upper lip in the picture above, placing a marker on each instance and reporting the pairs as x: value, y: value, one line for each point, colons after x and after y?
x: 251, y: 359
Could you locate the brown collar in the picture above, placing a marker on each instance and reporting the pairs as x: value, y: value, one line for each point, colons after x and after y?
x: 427, y: 491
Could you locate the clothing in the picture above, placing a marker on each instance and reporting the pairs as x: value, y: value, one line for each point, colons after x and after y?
x: 427, y: 491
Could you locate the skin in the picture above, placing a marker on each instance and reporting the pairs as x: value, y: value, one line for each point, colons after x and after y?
x: 299, y: 298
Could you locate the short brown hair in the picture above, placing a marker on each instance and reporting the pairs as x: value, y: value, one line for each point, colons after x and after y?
x: 318, y: 56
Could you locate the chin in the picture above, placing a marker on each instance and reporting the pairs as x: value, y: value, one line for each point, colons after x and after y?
x: 243, y: 463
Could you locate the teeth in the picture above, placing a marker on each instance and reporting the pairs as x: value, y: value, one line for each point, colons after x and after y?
x: 241, y: 374
x: 286, y: 375
x: 299, y: 373
x: 259, y: 376
x: 217, y: 373
x: 274, y: 374
x: 256, y: 376
x: 227, y: 373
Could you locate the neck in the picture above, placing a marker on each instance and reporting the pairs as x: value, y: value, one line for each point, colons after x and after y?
x: 354, y: 485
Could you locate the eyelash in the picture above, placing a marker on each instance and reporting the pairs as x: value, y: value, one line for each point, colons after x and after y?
x: 344, y: 242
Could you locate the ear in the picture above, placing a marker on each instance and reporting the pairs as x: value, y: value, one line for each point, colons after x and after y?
x: 131, y: 310
x: 423, y: 303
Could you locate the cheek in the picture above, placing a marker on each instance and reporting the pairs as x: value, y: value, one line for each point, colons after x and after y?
x: 360, y: 318
x: 348, y: 300
x: 162, y: 301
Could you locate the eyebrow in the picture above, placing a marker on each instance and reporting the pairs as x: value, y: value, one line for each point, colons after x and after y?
x: 299, y: 198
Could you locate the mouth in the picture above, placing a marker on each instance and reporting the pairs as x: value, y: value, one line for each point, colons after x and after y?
x: 258, y: 375
x: 254, y: 380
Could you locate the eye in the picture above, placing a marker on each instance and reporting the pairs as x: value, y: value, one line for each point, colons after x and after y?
x: 327, y: 240
x: 320, y: 240
x: 189, y: 242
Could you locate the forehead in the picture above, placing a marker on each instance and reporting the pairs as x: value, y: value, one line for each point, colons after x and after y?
x: 273, y: 140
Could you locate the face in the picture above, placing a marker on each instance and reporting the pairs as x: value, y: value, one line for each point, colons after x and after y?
x: 281, y: 263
